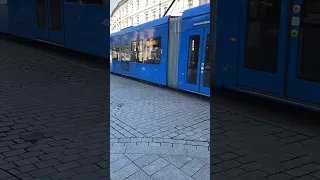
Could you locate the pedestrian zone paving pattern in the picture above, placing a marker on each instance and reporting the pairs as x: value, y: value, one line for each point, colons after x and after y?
x: 157, y: 133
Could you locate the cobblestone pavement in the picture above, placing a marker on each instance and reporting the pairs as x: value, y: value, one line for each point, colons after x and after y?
x: 53, y: 117
x: 157, y: 133
x: 257, y: 139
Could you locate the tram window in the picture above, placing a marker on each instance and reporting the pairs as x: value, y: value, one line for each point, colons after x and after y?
x: 115, y: 53
x: 126, y: 52
x: 263, y: 27
x: 313, y: 6
x: 41, y: 14
x: 152, y: 50
x: 207, y: 64
x: 140, y: 51
x: 122, y: 52
x: 134, y: 51
x: 193, y: 58
x: 308, y: 59
x: 56, y: 18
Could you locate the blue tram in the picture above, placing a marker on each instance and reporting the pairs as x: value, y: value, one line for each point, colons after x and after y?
x: 269, y: 48
x: 81, y: 25
x: 170, y: 51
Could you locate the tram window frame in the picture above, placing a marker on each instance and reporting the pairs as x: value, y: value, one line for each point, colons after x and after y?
x: 115, y: 51
x: 148, y: 57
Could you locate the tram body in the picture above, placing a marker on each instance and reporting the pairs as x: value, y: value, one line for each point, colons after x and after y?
x: 269, y: 48
x: 81, y: 25
x: 170, y: 51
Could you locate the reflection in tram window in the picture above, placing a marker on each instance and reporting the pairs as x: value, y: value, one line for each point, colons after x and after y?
x: 152, y: 50
x: 134, y: 51
x: 126, y: 53
x: 207, y: 64
x: 122, y: 56
x: 115, y: 53
x: 140, y: 51
x: 309, y: 56
x: 41, y: 14
x: 122, y: 52
x: 192, y: 66
x: 262, y: 35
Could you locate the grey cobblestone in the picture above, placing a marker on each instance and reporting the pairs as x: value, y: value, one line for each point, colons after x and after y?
x: 51, y: 111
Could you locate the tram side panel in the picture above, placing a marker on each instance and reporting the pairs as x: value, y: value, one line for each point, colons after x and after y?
x: 87, y: 28
x: 173, y: 49
x: 4, y: 17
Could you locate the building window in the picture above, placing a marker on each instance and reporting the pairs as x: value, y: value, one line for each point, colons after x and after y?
x: 146, y: 17
x: 165, y: 9
x: 190, y: 4
x: 137, y: 19
x: 154, y: 14
x: 137, y: 4
x: 147, y: 2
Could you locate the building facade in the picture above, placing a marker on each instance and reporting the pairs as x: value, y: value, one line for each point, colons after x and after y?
x: 133, y: 12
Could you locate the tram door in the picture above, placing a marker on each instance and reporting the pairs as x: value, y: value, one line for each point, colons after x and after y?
x: 124, y: 59
x: 280, y: 48
x: 197, y: 72
x: 49, y: 20
x: 263, y: 45
x: 304, y: 52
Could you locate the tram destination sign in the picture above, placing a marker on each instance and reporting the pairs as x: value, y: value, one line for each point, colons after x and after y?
x: 201, y: 23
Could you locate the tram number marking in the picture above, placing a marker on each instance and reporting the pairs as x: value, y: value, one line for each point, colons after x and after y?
x: 295, y: 21
x: 294, y: 33
x: 296, y: 8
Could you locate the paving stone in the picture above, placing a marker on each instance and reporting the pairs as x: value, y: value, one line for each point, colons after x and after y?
x: 170, y: 172
x: 257, y: 174
x: 132, y: 157
x: 43, y: 172
x: 203, y: 173
x: 141, y: 175
x: 155, y: 166
x: 4, y: 174
x: 68, y: 165
x: 145, y: 160
x: 120, y: 163
x: 177, y: 161
x: 125, y: 172
x: 193, y: 166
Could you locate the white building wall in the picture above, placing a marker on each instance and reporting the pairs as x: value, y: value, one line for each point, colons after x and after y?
x: 134, y: 12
